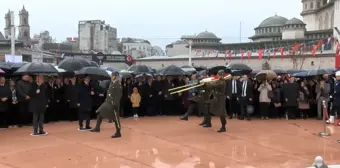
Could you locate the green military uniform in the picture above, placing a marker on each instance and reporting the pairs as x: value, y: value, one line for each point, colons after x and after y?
x: 109, y: 109
x: 216, y: 101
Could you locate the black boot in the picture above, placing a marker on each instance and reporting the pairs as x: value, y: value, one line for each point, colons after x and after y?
x: 117, y: 134
x: 185, y: 117
x: 99, y: 122
x: 222, y: 129
x: 207, y: 123
x: 223, y: 123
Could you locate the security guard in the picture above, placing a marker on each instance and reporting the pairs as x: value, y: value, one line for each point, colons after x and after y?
x: 110, y: 108
x: 217, y: 100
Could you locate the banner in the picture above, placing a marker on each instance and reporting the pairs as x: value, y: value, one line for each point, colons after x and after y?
x: 13, y: 58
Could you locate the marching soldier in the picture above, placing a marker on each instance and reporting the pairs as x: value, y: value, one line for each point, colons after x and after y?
x: 194, y: 98
x: 217, y: 101
x: 110, y: 108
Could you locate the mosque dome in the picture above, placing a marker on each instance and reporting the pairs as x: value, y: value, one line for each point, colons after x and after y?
x: 273, y: 21
x: 206, y: 35
x: 294, y: 21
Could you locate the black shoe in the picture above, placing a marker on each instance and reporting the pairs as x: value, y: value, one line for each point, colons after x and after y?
x: 230, y: 117
x: 222, y: 130
x: 201, y: 124
x: 95, y: 130
x: 248, y: 119
x: 241, y: 118
x: 184, y: 118
x: 206, y: 125
x: 116, y: 135
x: 35, y: 134
x: 42, y: 133
x: 88, y: 128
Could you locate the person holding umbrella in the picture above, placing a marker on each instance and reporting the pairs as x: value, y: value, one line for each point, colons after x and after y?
x: 110, y: 108
x: 84, y: 104
x: 38, y: 104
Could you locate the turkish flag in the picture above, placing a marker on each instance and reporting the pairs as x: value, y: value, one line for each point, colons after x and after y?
x: 275, y: 50
x: 281, y: 51
x: 249, y: 54
x: 225, y: 54
x: 242, y: 53
x: 319, y: 43
x: 260, y: 52
x: 295, y: 47
x: 315, y: 47
x: 230, y: 54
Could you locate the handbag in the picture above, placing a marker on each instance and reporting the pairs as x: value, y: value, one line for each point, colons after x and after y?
x: 270, y: 94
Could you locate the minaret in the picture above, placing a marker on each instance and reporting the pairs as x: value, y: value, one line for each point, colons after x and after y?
x: 336, y: 22
x: 7, y: 29
x: 24, y: 27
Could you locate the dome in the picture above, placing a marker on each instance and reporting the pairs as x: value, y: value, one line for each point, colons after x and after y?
x: 274, y: 21
x: 295, y: 21
x: 206, y: 35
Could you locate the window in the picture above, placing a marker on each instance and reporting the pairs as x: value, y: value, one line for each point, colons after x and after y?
x: 306, y: 6
x: 311, y: 5
x: 24, y: 21
x: 25, y: 34
x: 318, y: 4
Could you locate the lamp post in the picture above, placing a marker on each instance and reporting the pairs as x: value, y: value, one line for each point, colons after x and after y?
x: 190, y: 48
x: 12, y: 34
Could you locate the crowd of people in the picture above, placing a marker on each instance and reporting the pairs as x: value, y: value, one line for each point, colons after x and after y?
x: 148, y: 95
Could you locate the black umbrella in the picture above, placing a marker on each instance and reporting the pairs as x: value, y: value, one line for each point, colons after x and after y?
x: 141, y: 75
x: 137, y: 69
x: 16, y: 66
x: 38, y: 69
x: 5, y: 65
x: 94, y: 64
x: 215, y: 69
x: 126, y: 74
x: 279, y: 71
x: 74, y: 64
x: 255, y: 71
x: 316, y: 72
x: 94, y: 72
x: 240, y: 68
x: 300, y: 74
x: 172, y: 70
x: 293, y: 71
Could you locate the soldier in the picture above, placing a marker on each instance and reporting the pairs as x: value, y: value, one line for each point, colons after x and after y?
x: 217, y: 101
x: 110, y: 108
x: 194, y: 98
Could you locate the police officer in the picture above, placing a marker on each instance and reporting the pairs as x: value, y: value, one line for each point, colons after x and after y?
x: 110, y: 108
x: 336, y: 98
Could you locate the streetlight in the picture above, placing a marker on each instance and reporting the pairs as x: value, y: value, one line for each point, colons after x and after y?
x: 190, y: 44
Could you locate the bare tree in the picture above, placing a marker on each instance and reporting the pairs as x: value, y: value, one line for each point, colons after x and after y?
x: 298, y: 57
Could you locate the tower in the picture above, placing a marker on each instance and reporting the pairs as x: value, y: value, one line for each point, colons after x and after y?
x: 24, y: 27
x: 7, y: 29
x: 336, y: 22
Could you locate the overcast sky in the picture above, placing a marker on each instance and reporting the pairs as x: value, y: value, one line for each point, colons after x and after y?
x: 159, y: 21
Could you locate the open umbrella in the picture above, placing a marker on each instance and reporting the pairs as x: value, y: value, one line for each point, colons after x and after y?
x: 243, y: 68
x: 112, y: 69
x: 2, y: 72
x: 94, y: 72
x: 137, y: 69
x: 266, y: 75
x: 316, y: 72
x: 37, y: 69
x: 18, y: 65
x: 187, y: 68
x: 94, y: 64
x: 5, y: 66
x: 172, y: 70
x: 215, y: 69
x: 59, y: 69
x: 126, y: 74
x: 74, y: 64
x: 279, y: 71
x: 300, y: 74
x: 141, y: 75
x: 293, y: 71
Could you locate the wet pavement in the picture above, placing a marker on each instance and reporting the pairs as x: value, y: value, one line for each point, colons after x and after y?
x: 167, y: 142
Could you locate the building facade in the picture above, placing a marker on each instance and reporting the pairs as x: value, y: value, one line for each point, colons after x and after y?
x: 319, y: 26
x: 95, y: 35
x: 137, y: 48
x: 157, y: 50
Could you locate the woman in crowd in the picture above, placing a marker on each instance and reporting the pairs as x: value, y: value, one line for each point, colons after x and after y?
x: 304, y: 97
x: 265, y: 89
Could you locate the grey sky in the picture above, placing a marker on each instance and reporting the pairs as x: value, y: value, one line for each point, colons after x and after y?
x: 160, y: 21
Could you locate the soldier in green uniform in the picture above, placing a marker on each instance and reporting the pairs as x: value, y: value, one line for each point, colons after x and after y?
x: 216, y: 101
x: 109, y: 109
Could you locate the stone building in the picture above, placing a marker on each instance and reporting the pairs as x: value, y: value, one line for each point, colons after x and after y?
x: 319, y: 24
x: 137, y: 48
x: 95, y: 35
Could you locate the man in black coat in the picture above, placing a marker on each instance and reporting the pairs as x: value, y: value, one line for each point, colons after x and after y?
x: 5, y: 94
x: 38, y: 104
x: 51, y: 114
x: 71, y: 94
x: 291, y: 97
x: 85, y: 94
x: 233, y: 94
x: 159, y: 97
x: 23, y: 87
x: 148, y: 96
x: 336, y: 96
x: 246, y: 97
